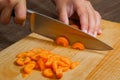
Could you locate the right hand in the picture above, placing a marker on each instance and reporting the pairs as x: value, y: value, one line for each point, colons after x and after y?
x: 6, y: 8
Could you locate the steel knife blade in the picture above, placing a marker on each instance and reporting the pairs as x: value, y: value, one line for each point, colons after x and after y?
x: 52, y: 28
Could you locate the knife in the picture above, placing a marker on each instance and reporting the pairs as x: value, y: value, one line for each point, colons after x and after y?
x: 52, y: 28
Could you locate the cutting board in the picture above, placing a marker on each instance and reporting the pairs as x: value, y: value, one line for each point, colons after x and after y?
x: 90, y: 60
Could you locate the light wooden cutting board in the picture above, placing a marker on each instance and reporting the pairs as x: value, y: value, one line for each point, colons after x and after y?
x: 88, y: 59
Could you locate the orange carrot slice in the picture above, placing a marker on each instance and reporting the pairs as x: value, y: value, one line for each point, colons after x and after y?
x: 55, y: 66
x: 74, y: 26
x: 29, y: 67
x: 48, y: 73
x: 74, y: 64
x: 63, y: 41
x: 41, y: 64
x: 78, y: 45
x: 20, y: 61
x: 59, y: 73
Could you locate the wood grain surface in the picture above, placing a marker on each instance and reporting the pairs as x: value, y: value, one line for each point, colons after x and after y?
x: 109, y: 67
x: 92, y: 63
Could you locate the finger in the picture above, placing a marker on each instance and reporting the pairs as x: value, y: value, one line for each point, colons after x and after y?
x: 63, y: 16
x: 6, y: 15
x: 92, y: 20
x: 20, y: 12
x: 83, y: 15
x: 98, y: 20
x: 99, y: 31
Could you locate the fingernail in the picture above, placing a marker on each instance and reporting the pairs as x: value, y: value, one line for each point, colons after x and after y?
x: 92, y: 34
x: 95, y: 34
x: 85, y: 31
x: 99, y: 32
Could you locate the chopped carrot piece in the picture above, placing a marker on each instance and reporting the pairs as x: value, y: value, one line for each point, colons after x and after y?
x: 74, y: 64
x: 74, y: 26
x: 64, y: 68
x: 55, y: 66
x: 29, y: 67
x: 20, y: 61
x: 35, y: 57
x: 61, y: 63
x: 23, y: 60
x: 59, y: 73
x: 48, y: 73
x: 63, y: 41
x: 41, y: 64
x: 21, y: 55
x: 27, y: 60
x: 29, y: 54
x: 78, y: 45
x: 65, y: 60
x: 36, y: 66
x: 49, y: 62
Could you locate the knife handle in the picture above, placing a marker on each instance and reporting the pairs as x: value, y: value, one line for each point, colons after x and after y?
x: 13, y: 13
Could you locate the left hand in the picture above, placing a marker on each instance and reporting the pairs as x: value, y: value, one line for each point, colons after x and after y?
x: 88, y: 16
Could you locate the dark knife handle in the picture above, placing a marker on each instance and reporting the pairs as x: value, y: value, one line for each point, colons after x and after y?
x: 13, y: 13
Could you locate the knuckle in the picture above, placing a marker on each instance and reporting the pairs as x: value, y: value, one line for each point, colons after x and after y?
x: 10, y: 2
x: 98, y: 14
x: 4, y: 21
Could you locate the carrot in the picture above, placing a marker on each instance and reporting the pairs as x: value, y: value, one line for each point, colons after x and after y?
x: 29, y: 67
x: 20, y: 62
x: 41, y: 64
x: 35, y: 57
x: 27, y: 60
x: 63, y: 41
x: 74, y: 26
x: 21, y: 55
x: 50, y: 64
x: 48, y: 73
x: 55, y: 66
x: 36, y: 66
x: 65, y: 60
x: 23, y: 60
x: 59, y: 73
x: 29, y: 53
x: 78, y: 45
x: 64, y: 68
x: 74, y: 64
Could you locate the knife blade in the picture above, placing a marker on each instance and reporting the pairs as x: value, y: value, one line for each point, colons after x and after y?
x: 52, y: 28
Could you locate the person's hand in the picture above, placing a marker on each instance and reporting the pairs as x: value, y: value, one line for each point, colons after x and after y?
x: 88, y: 16
x: 6, y: 8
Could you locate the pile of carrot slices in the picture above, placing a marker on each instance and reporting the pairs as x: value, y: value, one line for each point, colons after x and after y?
x: 51, y: 65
